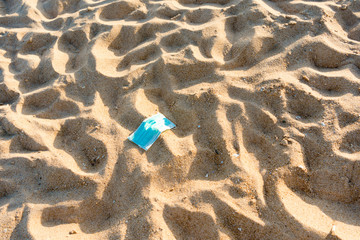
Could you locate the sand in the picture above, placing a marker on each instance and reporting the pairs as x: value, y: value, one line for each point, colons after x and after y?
x: 266, y: 99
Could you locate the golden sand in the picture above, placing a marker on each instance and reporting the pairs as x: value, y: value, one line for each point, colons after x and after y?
x: 265, y: 96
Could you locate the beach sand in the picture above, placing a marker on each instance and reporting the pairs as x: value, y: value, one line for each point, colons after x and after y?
x: 265, y: 96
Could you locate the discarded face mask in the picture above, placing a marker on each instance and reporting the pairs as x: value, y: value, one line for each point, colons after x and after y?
x: 149, y: 130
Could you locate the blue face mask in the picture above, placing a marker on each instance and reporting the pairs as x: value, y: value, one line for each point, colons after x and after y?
x: 149, y: 130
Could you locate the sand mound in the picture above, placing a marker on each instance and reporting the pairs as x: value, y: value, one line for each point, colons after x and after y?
x: 265, y: 96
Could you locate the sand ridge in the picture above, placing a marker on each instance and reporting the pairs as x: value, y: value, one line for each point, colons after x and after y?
x: 265, y: 95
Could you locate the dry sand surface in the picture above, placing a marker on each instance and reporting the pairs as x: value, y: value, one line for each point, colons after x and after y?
x: 265, y: 95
